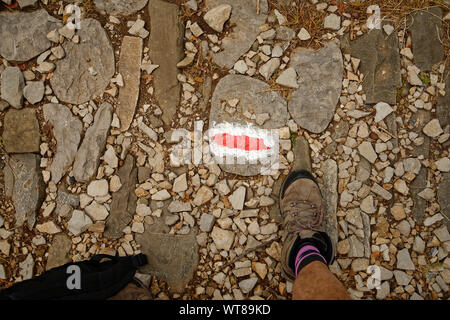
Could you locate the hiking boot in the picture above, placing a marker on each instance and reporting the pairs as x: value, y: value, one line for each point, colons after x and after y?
x: 135, y: 290
x: 302, y: 210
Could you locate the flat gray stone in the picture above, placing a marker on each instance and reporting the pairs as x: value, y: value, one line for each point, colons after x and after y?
x: 166, y: 41
x: 34, y: 91
x: 12, y: 86
x: 130, y: 69
x: 123, y: 205
x: 24, y: 34
x: 443, y: 104
x: 58, y: 254
x: 26, y: 187
x: 302, y: 155
x: 443, y: 198
x: 421, y: 117
x: 120, y: 7
x: 67, y: 131
x: 320, y: 73
x: 87, y: 68
x: 426, y: 34
x: 21, y: 132
x: 380, y: 64
x: 246, y: 28
x: 253, y: 97
x: 171, y: 258
x: 88, y: 156
x: 330, y: 196
x: 404, y: 261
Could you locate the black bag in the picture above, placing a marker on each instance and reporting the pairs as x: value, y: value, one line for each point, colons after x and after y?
x: 97, y: 280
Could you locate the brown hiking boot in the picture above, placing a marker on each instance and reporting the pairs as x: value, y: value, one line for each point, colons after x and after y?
x: 134, y: 290
x: 302, y: 209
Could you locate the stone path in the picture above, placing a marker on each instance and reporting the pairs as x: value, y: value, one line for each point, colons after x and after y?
x: 93, y: 122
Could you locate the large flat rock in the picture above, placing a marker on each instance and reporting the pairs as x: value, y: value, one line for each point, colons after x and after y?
x: 26, y: 186
x: 88, y: 66
x: 24, y: 34
x: 166, y: 50
x: 426, y: 34
x: 171, y: 258
x: 21, y: 133
x: 380, y: 64
x: 320, y: 72
x: 254, y: 97
x: 67, y: 131
x: 120, y: 7
x: 130, y: 69
x: 88, y: 156
x: 123, y: 205
x: 330, y: 197
x: 246, y: 27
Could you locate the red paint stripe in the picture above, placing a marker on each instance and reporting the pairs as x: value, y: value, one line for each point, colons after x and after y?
x: 241, y: 142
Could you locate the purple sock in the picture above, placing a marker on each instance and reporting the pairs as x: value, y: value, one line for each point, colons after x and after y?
x: 307, y: 254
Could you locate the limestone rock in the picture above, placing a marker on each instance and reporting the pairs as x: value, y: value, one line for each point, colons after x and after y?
x: 120, y: 7
x: 34, y: 91
x: 87, y: 67
x: 123, y: 204
x: 17, y: 28
x: 79, y: 222
x: 223, y: 239
x: 426, y: 34
x: 12, y: 86
x: 67, y: 131
x: 246, y: 23
x: 216, y: 17
x: 21, y: 131
x: 312, y: 105
x: 58, y: 253
x: 166, y: 41
x: 380, y: 58
x: 27, y: 186
x: 171, y: 258
x: 88, y: 156
x: 130, y: 69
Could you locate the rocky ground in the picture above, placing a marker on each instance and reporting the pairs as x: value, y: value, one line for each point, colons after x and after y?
x: 87, y: 120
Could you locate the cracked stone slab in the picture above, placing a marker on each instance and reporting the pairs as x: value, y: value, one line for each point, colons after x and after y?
x: 320, y: 72
x: 88, y: 156
x: 421, y: 118
x: 330, y: 197
x: 21, y: 131
x: 246, y: 28
x: 442, y: 195
x: 88, y: 66
x: 130, y: 69
x: 24, y: 34
x: 166, y: 43
x: 426, y: 34
x: 253, y: 97
x: 26, y: 186
x: 123, y: 204
x: 67, y: 131
x: 171, y: 258
x: 120, y: 7
x: 380, y: 64
x: 58, y: 253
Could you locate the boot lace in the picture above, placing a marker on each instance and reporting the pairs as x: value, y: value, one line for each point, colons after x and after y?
x: 303, y: 215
